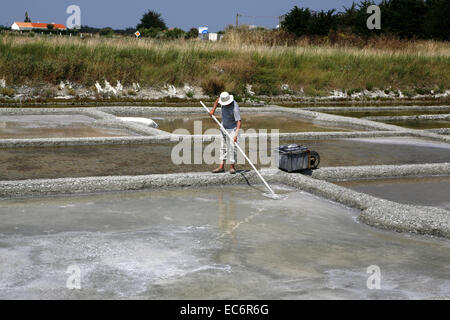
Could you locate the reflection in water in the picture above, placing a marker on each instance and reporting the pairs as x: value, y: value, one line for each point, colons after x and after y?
x: 227, y: 215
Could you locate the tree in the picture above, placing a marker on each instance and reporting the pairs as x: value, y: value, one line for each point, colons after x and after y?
x: 301, y: 21
x: 322, y: 22
x: 437, y: 24
x: 404, y: 18
x: 192, y: 33
x: 152, y: 19
x: 354, y: 18
x: 296, y: 21
x: 27, y: 18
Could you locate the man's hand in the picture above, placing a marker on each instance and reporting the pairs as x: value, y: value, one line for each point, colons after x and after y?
x: 211, y: 113
x: 235, y: 138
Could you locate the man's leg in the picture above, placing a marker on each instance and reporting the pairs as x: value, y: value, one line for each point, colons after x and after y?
x: 234, y: 159
x: 223, y: 154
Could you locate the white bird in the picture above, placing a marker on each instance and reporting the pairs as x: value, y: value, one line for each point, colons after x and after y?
x: 145, y: 121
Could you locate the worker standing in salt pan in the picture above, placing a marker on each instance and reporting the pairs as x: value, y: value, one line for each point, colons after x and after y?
x: 231, y: 121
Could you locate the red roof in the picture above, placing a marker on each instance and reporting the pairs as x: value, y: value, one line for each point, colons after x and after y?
x: 40, y: 25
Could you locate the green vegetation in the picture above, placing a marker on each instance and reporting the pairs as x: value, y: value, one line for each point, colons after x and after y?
x: 419, y: 19
x: 71, y: 92
x: 131, y: 92
x: 10, y: 92
x: 226, y: 65
x: 152, y: 19
x: 106, y: 32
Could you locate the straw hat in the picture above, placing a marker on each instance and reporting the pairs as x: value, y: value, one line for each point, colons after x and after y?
x: 226, y: 99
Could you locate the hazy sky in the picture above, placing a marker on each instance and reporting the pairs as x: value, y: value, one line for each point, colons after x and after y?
x: 176, y: 13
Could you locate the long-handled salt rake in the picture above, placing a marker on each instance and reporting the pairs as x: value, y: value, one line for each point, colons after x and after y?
x: 272, y: 194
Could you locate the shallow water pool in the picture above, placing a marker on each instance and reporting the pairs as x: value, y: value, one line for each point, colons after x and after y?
x: 85, y: 161
x: 424, y: 191
x: 383, y: 113
x: 54, y: 126
x: 420, y: 124
x: 269, y: 121
x: 209, y: 243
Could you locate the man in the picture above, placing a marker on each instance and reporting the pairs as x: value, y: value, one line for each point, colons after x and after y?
x: 231, y: 121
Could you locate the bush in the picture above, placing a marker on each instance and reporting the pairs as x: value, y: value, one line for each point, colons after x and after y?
x: 10, y: 92
x: 192, y: 33
x: 190, y: 94
x: 174, y: 33
x: 106, y: 32
x: 266, y: 90
x: 423, y: 91
x: 71, y: 92
x: 243, y: 35
x: 150, y: 32
x: 48, y: 93
x: 213, y: 87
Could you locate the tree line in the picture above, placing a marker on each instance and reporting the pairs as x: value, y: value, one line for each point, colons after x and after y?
x: 408, y: 19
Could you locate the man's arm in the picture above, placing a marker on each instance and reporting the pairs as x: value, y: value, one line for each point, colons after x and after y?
x: 238, y: 127
x: 211, y: 113
x: 237, y: 117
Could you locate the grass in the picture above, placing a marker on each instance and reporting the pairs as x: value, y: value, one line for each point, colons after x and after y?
x: 10, y: 92
x: 227, y: 65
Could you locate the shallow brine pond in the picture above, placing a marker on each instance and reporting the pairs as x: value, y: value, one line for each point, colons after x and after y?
x: 420, y: 124
x: 209, y: 243
x: 85, y: 161
x: 425, y: 191
x: 257, y: 121
x: 54, y: 126
x: 362, y: 113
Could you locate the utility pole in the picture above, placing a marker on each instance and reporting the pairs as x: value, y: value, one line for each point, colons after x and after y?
x: 281, y: 20
x: 237, y: 20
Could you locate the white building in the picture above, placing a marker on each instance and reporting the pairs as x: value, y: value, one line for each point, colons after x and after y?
x: 212, y: 36
x: 28, y: 26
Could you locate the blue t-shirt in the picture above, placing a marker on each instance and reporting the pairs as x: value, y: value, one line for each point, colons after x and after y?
x: 230, y: 115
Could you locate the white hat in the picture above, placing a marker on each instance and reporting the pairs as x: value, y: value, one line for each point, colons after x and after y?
x: 226, y: 98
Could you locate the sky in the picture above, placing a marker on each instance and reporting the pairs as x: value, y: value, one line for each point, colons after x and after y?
x: 183, y: 14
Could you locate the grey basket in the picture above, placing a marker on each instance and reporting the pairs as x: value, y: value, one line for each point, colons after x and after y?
x: 293, y: 158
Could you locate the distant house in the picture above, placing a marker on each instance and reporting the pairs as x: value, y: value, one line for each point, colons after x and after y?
x: 212, y: 36
x: 28, y: 26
